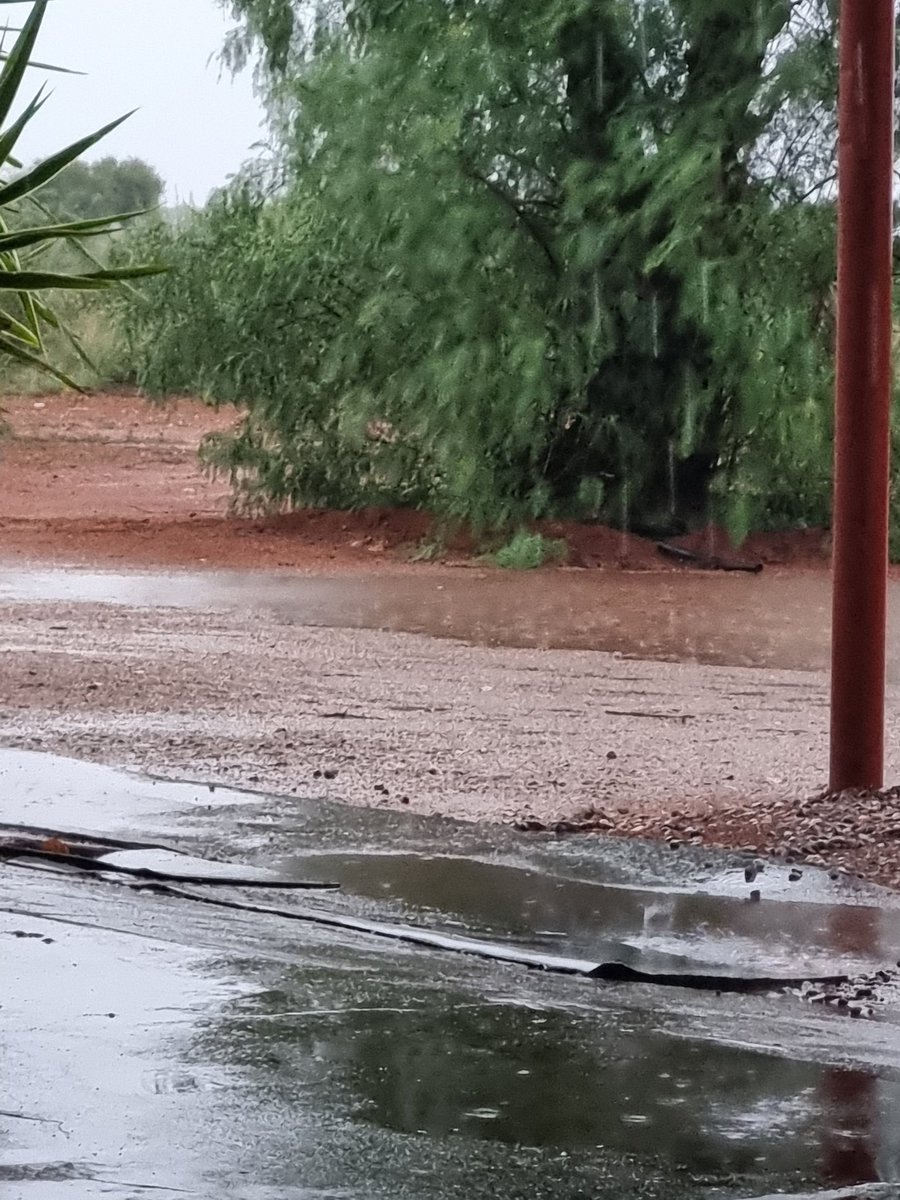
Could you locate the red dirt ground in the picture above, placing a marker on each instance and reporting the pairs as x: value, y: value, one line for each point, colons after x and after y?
x: 114, y: 479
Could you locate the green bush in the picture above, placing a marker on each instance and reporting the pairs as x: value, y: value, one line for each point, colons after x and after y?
x: 526, y: 551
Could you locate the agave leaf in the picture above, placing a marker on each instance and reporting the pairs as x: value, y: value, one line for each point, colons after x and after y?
x: 42, y: 66
x: 17, y: 60
x: 74, y: 242
x: 10, y: 325
x: 10, y: 136
x: 20, y: 335
x: 75, y: 342
x: 17, y: 281
x: 13, y: 349
x: 21, y: 239
x: 30, y: 316
x: 51, y: 167
x: 47, y: 315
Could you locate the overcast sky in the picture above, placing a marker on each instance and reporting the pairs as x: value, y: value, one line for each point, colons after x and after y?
x: 194, y: 125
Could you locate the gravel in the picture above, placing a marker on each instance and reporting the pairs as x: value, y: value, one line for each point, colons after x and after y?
x: 540, y: 738
x: 856, y: 832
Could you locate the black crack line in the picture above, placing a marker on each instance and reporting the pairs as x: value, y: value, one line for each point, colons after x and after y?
x: 100, y: 866
x: 18, y: 1116
x: 93, y: 839
x: 609, y: 972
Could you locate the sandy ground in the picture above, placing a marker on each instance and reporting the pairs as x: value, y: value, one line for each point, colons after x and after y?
x: 365, y: 716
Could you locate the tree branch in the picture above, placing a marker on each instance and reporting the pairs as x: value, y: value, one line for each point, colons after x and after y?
x: 526, y: 219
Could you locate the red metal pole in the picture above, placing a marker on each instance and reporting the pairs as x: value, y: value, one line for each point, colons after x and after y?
x: 863, y: 394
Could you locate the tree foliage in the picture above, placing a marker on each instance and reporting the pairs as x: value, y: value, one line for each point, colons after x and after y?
x: 91, y: 189
x: 573, y: 255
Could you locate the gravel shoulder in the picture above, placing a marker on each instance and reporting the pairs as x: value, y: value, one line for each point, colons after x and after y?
x: 438, y: 726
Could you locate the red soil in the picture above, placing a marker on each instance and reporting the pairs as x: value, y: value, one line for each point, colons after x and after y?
x: 113, y: 479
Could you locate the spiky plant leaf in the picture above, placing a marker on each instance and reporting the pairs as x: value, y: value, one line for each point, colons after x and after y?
x: 21, y: 330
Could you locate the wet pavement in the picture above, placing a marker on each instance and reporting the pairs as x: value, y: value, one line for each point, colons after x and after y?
x: 157, y: 1044
x: 776, y: 619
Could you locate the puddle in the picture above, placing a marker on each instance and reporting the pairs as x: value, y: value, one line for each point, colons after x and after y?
x: 773, y: 620
x: 602, y: 1083
x: 546, y: 1079
x: 261, y: 1057
x: 655, y: 929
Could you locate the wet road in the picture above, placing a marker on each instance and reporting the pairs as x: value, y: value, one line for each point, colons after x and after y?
x: 157, y: 1045
x: 771, y: 620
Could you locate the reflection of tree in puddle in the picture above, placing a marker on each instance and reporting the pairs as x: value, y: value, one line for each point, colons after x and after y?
x: 863, y: 1112
x: 422, y: 1061
x: 848, y: 1151
x: 402, y: 1045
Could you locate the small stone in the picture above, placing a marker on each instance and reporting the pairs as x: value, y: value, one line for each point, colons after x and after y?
x: 329, y: 774
x: 611, y: 754
x: 750, y: 873
x: 756, y: 895
x: 795, y: 875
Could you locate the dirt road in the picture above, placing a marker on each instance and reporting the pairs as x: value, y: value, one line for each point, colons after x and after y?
x: 253, y: 697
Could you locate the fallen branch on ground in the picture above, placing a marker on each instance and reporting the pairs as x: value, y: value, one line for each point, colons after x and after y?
x: 707, y: 562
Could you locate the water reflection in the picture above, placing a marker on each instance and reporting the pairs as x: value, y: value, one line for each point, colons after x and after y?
x: 542, y: 1078
x: 593, y: 920
x: 416, y: 1060
x: 853, y: 1098
x: 849, y: 1152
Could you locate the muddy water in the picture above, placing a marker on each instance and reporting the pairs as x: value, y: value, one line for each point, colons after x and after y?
x: 773, y: 619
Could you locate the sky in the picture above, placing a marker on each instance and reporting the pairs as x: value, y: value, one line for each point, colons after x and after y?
x: 195, y: 124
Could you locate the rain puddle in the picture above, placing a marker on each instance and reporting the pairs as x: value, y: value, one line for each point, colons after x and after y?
x: 772, y: 619
x: 607, y: 1081
x: 707, y: 924
x: 307, y: 1061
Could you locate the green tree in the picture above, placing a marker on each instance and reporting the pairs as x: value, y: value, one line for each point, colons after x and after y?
x: 578, y: 253
x: 91, y: 189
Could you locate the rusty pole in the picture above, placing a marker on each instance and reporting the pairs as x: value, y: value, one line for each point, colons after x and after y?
x: 863, y: 393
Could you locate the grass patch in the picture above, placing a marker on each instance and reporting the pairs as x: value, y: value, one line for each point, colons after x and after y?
x: 526, y: 551
x: 91, y: 322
